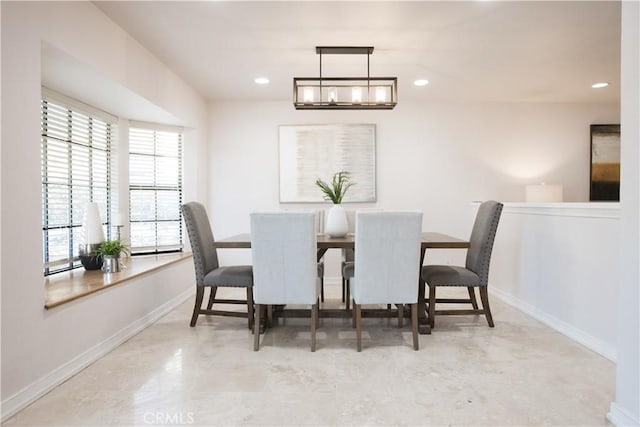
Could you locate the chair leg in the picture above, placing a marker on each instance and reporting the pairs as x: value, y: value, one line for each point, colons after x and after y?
x: 344, y: 286
x: 250, y: 314
x: 414, y: 325
x: 353, y: 316
x: 198, y: 304
x: 422, y: 303
x: 212, y: 296
x: 256, y: 328
x: 400, y: 315
x: 347, y: 295
x: 357, y: 309
x: 484, y: 296
x: 269, y: 315
x: 322, y: 289
x: 432, y: 305
x: 314, y: 322
x: 472, y: 297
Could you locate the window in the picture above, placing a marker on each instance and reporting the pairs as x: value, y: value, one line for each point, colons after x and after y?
x: 76, y: 153
x: 155, y: 190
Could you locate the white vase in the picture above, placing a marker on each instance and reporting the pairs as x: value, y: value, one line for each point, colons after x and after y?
x: 337, y: 224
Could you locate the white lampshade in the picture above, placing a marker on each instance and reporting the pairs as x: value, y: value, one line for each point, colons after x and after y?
x: 118, y: 219
x: 543, y: 193
x: 92, y: 226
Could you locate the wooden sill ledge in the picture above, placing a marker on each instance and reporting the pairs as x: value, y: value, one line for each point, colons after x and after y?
x: 68, y: 286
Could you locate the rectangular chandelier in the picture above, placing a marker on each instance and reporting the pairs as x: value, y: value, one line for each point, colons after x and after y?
x: 345, y: 93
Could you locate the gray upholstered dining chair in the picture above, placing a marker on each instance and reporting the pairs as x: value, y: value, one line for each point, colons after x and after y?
x: 387, y: 265
x: 346, y: 266
x: 318, y: 221
x: 208, y: 271
x: 285, y: 271
x: 474, y: 274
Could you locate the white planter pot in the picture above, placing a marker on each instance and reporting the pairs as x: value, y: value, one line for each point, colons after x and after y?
x: 337, y: 224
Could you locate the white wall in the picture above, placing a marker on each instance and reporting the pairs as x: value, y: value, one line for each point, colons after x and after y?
x: 625, y: 411
x: 558, y: 263
x: 38, y: 345
x: 433, y: 157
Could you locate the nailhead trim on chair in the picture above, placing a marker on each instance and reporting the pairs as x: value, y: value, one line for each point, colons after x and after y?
x: 197, y: 254
x: 484, y: 266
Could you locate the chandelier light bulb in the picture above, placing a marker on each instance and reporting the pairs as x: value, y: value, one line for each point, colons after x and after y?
x: 333, y: 95
x: 308, y: 94
x: 381, y: 94
x: 356, y: 94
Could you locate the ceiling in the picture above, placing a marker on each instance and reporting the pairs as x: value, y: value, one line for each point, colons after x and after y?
x: 470, y: 51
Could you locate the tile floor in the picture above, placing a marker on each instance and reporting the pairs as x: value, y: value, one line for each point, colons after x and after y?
x: 520, y: 373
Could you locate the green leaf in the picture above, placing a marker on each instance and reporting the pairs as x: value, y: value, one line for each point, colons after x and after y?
x: 112, y: 247
x: 335, y: 192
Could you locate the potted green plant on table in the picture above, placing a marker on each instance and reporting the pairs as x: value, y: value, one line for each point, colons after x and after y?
x: 110, y: 251
x: 337, y: 224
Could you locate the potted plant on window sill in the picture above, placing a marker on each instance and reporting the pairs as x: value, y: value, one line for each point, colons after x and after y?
x: 337, y: 224
x: 89, y: 258
x: 110, y: 251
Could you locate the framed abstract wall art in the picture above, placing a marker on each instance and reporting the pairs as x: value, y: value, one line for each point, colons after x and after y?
x: 309, y: 152
x: 605, y: 163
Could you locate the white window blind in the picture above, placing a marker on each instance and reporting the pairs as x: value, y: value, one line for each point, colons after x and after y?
x: 76, y: 154
x: 155, y: 190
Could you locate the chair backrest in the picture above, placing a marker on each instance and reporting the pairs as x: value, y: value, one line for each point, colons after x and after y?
x: 205, y: 257
x: 387, y: 257
x: 284, y: 253
x: 481, y: 240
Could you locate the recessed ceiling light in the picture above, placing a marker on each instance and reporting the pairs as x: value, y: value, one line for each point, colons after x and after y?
x: 421, y: 82
x: 599, y: 85
x: 261, y: 80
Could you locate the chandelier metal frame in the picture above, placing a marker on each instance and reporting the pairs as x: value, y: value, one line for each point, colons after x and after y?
x: 332, y: 93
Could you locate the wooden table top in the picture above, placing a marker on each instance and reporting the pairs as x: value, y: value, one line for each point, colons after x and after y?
x: 429, y: 240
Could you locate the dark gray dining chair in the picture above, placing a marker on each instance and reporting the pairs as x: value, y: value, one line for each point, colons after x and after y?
x: 208, y: 271
x: 348, y: 254
x: 475, y: 273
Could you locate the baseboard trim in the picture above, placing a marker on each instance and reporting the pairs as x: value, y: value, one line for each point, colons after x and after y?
x: 20, y: 400
x: 620, y: 417
x: 592, y: 343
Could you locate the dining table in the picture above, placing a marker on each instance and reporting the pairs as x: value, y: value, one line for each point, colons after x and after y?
x: 429, y: 240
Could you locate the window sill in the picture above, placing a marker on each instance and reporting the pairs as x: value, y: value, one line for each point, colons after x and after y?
x: 68, y: 286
